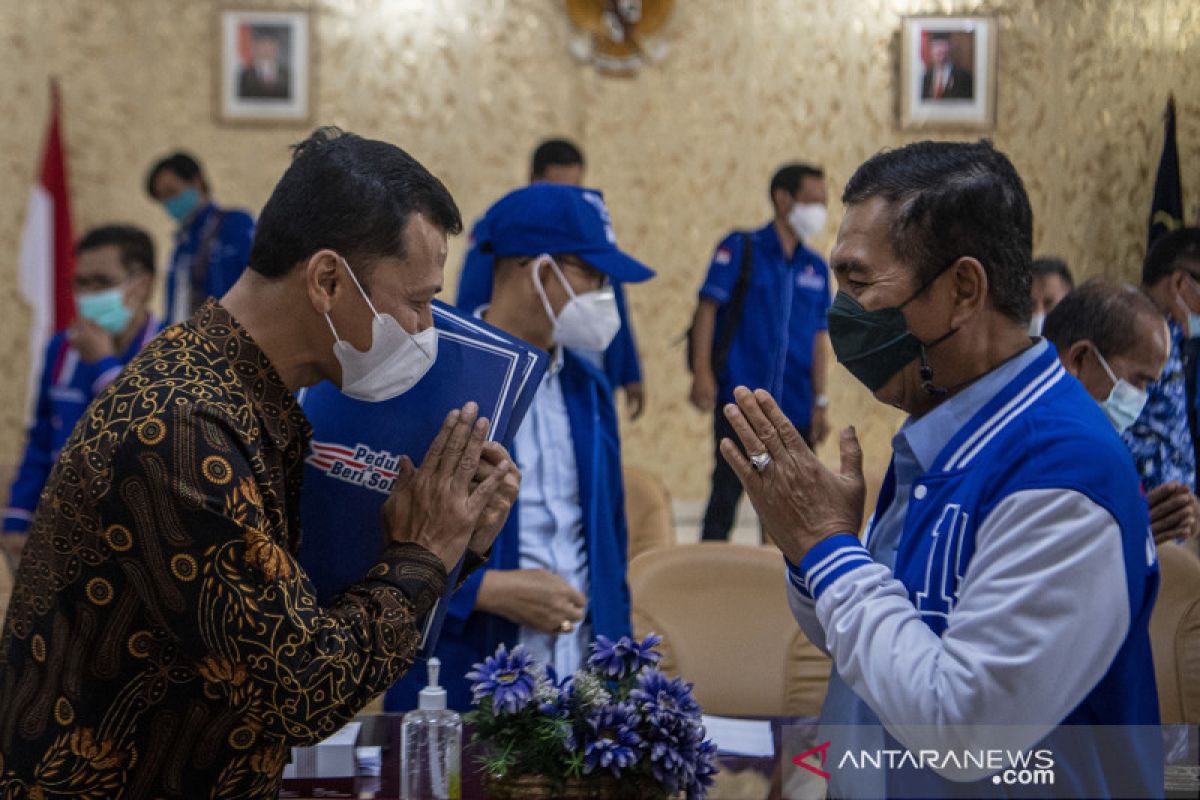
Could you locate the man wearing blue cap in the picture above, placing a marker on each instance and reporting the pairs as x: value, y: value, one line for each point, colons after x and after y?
x: 556, y: 576
x: 560, y: 161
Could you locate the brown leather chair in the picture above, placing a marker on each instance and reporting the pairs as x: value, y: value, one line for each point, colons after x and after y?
x: 1175, y: 636
x: 723, y: 614
x: 647, y: 512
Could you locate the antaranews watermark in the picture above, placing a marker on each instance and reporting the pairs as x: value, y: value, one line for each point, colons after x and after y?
x: 1029, y: 761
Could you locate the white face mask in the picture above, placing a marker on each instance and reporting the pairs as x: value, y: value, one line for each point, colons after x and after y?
x: 588, y: 321
x: 807, y: 219
x: 1125, y: 402
x: 393, y: 363
x: 1036, y: 322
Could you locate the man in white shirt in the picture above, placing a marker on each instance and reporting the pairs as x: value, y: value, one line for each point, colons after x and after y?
x: 556, y: 577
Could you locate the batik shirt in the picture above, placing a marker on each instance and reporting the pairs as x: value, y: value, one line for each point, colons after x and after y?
x: 162, y: 641
x: 1160, y: 440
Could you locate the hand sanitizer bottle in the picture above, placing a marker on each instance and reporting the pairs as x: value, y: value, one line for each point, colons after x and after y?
x: 431, y: 746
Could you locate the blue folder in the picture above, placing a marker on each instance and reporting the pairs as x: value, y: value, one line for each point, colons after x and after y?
x: 356, y: 446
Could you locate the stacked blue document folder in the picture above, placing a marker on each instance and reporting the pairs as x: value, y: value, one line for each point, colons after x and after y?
x: 356, y: 446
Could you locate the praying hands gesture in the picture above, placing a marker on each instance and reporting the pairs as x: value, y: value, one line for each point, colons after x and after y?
x: 799, y: 500
x: 446, y: 505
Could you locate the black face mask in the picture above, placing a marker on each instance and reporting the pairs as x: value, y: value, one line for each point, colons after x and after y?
x: 875, y: 345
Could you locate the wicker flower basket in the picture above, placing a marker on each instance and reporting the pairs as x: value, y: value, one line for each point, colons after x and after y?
x: 542, y: 787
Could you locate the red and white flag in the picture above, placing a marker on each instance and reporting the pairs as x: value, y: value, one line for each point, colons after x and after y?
x: 47, y: 261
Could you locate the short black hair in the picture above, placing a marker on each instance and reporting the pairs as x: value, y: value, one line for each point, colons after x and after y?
x: 955, y: 199
x: 180, y: 163
x: 1103, y: 311
x: 348, y: 194
x: 1053, y: 265
x: 554, y: 153
x: 135, y: 245
x: 789, y: 177
x: 1168, y: 250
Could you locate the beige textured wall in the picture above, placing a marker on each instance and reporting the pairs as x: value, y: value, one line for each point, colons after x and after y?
x: 683, y: 151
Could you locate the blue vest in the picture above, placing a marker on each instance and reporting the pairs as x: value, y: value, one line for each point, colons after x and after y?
x: 1043, y: 431
x: 469, y: 636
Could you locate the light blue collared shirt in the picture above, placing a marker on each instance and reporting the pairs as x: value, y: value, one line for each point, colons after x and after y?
x: 914, y: 448
x: 551, y: 514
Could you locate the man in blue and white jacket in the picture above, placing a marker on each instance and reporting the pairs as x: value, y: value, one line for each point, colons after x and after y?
x: 1004, y: 588
x: 114, y: 276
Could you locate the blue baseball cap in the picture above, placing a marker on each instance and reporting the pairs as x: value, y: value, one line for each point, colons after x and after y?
x: 558, y: 219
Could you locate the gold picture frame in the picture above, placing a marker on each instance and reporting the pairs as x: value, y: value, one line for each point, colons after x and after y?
x: 948, y: 72
x: 264, y: 66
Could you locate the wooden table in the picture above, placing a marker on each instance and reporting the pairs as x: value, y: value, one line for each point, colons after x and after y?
x: 383, y: 730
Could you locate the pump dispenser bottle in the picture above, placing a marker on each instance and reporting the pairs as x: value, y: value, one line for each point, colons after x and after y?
x: 431, y: 746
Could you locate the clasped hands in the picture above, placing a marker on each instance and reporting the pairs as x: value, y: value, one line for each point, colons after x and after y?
x: 799, y: 500
x: 461, y: 495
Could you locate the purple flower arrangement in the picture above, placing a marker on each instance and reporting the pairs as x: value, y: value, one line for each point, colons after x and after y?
x: 617, y: 718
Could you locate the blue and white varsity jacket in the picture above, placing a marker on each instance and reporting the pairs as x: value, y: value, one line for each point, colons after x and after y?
x: 67, y: 385
x: 1021, y: 596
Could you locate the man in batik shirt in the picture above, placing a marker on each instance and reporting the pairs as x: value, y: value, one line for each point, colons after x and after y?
x: 162, y: 640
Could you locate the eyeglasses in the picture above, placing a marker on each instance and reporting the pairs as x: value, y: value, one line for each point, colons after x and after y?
x: 589, y: 272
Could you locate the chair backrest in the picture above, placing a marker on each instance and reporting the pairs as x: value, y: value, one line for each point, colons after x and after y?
x: 723, y: 614
x: 1175, y: 636
x: 647, y: 512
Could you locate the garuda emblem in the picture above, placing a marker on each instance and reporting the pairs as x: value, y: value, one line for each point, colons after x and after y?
x: 618, y: 36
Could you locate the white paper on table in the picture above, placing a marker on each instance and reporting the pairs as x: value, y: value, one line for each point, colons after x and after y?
x: 331, y: 758
x: 370, y: 760
x: 740, y: 737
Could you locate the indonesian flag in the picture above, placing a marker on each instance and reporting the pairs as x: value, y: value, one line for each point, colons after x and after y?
x: 47, y: 260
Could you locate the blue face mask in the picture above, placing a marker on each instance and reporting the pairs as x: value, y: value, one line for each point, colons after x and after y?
x: 1193, y: 325
x: 106, y: 308
x: 1125, y: 401
x: 181, y: 206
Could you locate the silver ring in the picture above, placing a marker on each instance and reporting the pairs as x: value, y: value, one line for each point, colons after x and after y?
x: 760, y: 461
x: 567, y: 626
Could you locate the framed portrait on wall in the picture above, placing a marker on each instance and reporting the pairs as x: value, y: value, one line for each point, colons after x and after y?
x: 264, y: 69
x: 947, y: 73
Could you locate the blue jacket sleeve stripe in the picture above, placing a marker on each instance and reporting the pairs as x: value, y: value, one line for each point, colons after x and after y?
x: 831, y: 559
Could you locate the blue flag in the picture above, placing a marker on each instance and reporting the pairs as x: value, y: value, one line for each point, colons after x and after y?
x: 1166, y: 211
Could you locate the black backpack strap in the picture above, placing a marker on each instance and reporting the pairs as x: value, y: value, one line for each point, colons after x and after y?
x: 737, y: 304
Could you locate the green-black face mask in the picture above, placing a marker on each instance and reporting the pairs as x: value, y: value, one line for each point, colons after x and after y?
x: 875, y: 345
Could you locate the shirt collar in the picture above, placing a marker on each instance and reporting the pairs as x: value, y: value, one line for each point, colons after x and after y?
x: 142, y: 338
x: 195, y: 226
x: 556, y: 360
x: 769, y: 237
x: 1178, y: 334
x: 928, y: 436
x: 274, y: 404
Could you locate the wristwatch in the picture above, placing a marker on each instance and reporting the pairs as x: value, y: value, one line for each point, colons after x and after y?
x: 821, y: 401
